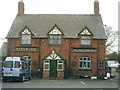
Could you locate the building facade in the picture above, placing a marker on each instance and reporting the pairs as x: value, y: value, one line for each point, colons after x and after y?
x: 58, y: 43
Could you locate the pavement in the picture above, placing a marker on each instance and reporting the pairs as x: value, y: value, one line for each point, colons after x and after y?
x: 66, y: 83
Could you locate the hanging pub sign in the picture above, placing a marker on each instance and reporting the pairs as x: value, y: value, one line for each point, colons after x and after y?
x: 84, y: 50
x: 26, y: 49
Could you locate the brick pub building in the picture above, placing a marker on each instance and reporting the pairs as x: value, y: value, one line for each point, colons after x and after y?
x: 58, y: 43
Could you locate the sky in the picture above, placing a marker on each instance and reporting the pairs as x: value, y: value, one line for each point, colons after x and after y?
x: 9, y: 10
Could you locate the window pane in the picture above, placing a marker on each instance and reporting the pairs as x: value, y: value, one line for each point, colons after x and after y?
x: 55, y: 39
x: 85, y: 37
x: 88, y: 59
x: 59, y: 41
x: 55, y: 36
x: 51, y: 41
x: 26, y: 39
x: 51, y: 36
x: 80, y: 64
x: 46, y: 66
x: 60, y: 66
x: 46, y: 61
x: 88, y: 65
x: 84, y: 64
x: 59, y: 37
x: 60, y: 61
x: 84, y: 58
x: 85, y: 42
x: 8, y: 64
x: 55, y: 42
x: 17, y: 64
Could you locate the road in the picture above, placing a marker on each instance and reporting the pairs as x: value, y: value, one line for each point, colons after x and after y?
x: 66, y: 83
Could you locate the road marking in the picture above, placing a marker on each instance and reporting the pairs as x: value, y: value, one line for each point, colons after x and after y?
x: 25, y: 82
x: 113, y: 83
x: 82, y: 82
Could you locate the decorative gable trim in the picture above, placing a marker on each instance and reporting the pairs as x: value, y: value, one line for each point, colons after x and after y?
x: 53, y: 55
x: 86, y: 31
x: 26, y: 31
x: 55, y: 30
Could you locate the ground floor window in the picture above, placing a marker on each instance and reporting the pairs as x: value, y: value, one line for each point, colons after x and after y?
x: 46, y: 65
x: 85, y: 62
x: 101, y: 64
x: 60, y: 65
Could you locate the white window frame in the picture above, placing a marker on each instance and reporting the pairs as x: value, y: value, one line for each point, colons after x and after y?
x: 85, y: 40
x: 60, y: 64
x: 47, y: 64
x: 24, y: 39
x: 56, y: 39
x: 101, y: 64
x: 86, y: 61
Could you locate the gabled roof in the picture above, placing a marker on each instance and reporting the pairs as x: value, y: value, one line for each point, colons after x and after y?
x: 85, y: 31
x: 24, y: 30
x: 69, y: 24
x: 53, y: 55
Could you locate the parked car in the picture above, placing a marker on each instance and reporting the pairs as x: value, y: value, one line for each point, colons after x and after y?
x: 15, y: 68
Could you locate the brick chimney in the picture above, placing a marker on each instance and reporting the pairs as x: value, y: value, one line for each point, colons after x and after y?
x: 96, y: 8
x: 20, y: 8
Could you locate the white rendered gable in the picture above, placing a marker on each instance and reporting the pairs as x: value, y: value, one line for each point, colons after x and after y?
x: 85, y: 32
x: 26, y: 31
x: 52, y: 56
x: 55, y: 31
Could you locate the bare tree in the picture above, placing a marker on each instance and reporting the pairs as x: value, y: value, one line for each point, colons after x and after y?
x: 111, y: 42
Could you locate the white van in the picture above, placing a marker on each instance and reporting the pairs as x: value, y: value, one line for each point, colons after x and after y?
x: 15, y: 68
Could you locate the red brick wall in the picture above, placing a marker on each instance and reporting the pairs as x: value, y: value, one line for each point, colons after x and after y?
x: 60, y: 74
x: 45, y: 74
x: 64, y: 50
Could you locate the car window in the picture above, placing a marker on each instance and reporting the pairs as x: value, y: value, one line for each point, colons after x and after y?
x: 8, y: 64
x: 17, y: 64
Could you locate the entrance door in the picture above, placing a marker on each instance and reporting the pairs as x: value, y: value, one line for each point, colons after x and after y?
x: 53, y: 69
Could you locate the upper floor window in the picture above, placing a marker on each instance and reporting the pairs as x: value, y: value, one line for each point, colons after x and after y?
x: 85, y: 62
x: 26, y: 39
x: 85, y: 40
x: 26, y: 36
x: 55, y: 39
x: 85, y: 37
x: 55, y: 36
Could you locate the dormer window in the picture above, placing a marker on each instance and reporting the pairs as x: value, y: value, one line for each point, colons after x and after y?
x: 55, y: 36
x: 85, y: 37
x: 26, y: 37
x: 85, y: 40
x: 55, y: 39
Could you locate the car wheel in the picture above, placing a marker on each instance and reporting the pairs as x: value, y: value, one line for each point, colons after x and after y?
x: 30, y: 78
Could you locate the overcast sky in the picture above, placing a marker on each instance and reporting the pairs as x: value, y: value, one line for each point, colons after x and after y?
x: 9, y: 9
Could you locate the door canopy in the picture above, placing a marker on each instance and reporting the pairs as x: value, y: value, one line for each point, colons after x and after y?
x: 54, y: 55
